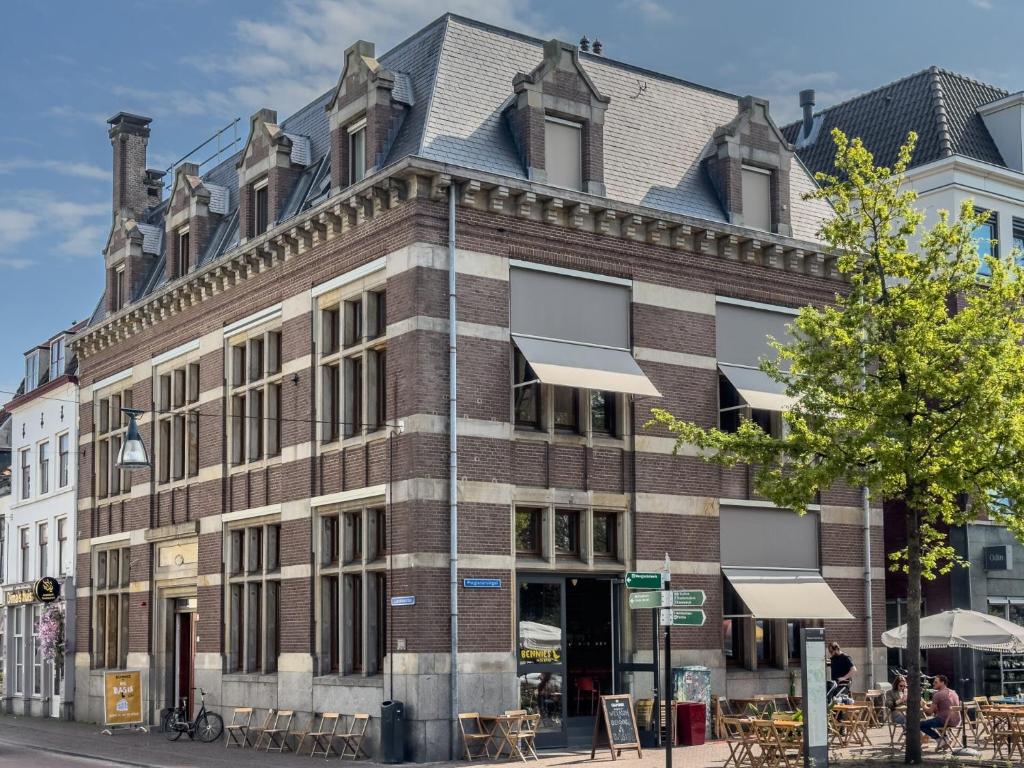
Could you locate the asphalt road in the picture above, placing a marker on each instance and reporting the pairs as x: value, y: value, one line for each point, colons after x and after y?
x: 12, y: 754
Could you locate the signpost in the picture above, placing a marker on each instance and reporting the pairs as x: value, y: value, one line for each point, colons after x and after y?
x: 643, y: 580
x: 679, y: 598
x: 682, y: 617
x: 813, y: 689
x: 645, y: 600
x: 688, y: 598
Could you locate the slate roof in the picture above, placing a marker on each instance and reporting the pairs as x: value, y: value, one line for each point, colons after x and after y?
x: 456, y: 74
x: 941, y: 106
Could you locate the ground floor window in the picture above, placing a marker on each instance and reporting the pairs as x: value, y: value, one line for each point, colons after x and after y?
x: 111, y: 580
x: 19, y: 650
x: 592, y: 536
x: 254, y: 597
x: 37, y: 654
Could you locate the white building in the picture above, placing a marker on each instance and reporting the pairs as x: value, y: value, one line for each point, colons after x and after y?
x: 39, y: 532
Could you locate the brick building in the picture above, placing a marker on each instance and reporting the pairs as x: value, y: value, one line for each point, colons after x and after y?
x: 622, y: 239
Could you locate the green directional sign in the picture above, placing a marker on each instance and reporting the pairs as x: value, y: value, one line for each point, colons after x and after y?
x: 643, y: 580
x: 682, y: 617
x: 688, y: 598
x: 650, y: 599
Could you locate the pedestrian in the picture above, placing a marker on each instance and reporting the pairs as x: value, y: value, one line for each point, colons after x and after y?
x: 944, y: 709
x: 841, y: 667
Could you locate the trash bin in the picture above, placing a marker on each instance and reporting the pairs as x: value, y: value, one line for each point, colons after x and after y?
x: 690, y: 723
x: 392, y: 732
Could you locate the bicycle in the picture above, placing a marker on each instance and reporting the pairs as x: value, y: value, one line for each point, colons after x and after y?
x: 207, y: 726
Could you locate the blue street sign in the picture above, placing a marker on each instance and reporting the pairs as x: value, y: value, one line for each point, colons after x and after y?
x: 481, y: 583
x: 404, y: 600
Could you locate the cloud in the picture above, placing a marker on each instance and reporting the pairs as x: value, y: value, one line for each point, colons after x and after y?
x: 983, y: 4
x: 782, y: 89
x: 61, y: 226
x: 15, y: 227
x: 73, y: 114
x: 84, y: 241
x: 64, y: 168
x: 648, y: 10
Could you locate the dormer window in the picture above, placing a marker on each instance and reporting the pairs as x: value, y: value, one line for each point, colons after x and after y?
x: 261, y: 205
x: 120, y: 298
x: 32, y: 370
x: 56, y: 358
x: 357, y: 152
x: 563, y: 155
x: 757, y: 198
x: 184, y: 251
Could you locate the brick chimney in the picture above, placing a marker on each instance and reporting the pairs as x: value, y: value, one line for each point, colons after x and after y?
x: 133, y: 184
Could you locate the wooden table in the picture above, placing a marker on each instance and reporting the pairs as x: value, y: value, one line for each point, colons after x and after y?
x: 504, y: 731
x: 780, y: 742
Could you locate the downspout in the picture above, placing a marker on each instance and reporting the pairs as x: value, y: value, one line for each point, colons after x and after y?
x: 869, y: 664
x: 453, y: 475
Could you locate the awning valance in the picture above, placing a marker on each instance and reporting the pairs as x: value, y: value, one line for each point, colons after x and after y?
x: 579, y: 365
x: 786, y: 594
x: 757, y: 388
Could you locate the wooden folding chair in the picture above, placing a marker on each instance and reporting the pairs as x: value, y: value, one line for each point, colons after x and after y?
x: 276, y: 733
x: 1001, y: 732
x: 857, y: 720
x: 256, y: 733
x: 299, y: 735
x: 514, y: 734
x: 323, y: 735
x: 239, y: 727
x: 742, y: 743
x: 352, y: 738
x: 897, y: 730
x: 473, y: 735
x: 528, y: 733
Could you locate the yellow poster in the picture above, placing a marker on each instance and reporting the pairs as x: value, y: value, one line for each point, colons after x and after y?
x: 122, y: 697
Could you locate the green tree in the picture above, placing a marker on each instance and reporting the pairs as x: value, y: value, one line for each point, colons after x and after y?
x: 911, y: 383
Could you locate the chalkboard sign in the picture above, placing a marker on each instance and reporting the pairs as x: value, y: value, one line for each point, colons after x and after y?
x: 617, y: 721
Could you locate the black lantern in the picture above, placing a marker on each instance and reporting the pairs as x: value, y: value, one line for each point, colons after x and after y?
x: 133, y: 451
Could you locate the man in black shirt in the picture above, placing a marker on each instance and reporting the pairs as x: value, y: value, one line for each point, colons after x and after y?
x: 842, y: 669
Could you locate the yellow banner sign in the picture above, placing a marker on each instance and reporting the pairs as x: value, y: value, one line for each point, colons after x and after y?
x: 122, y: 697
x: 21, y: 597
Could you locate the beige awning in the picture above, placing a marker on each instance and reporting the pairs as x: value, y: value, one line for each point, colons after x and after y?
x: 786, y: 594
x: 757, y: 388
x: 588, y: 367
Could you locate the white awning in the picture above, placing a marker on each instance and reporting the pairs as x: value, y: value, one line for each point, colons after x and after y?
x: 579, y: 365
x: 757, y: 388
x: 786, y: 594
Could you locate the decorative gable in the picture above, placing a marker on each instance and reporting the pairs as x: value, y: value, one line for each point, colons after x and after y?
x: 366, y: 112
x: 193, y: 212
x: 559, y: 92
x: 748, y: 163
x: 131, y: 250
x: 269, y: 159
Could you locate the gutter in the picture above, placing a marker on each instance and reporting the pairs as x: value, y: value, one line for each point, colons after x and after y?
x: 453, y: 479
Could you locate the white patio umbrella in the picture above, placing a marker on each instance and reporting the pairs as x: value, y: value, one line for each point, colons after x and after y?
x: 962, y: 629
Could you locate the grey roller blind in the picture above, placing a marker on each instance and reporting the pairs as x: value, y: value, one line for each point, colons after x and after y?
x: 554, y: 306
x: 741, y: 333
x: 757, y: 199
x: 562, y: 155
x: 753, y: 537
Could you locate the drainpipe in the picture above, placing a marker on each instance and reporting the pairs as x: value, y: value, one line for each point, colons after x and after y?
x: 869, y: 665
x: 453, y: 478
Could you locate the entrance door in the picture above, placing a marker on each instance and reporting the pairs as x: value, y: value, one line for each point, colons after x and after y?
x: 589, y: 652
x: 541, y: 655
x: 185, y: 652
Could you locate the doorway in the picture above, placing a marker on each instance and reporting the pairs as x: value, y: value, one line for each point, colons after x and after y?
x: 566, y: 653
x: 184, y: 672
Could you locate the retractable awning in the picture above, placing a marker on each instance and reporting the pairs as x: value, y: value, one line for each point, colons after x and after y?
x: 786, y: 594
x: 566, y: 364
x: 757, y: 388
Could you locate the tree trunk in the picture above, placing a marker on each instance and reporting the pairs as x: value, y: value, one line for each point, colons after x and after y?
x: 913, y: 651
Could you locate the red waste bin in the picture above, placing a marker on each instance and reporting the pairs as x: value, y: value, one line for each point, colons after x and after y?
x: 691, y: 723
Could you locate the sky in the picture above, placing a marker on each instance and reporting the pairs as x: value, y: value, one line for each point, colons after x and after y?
x: 196, y: 65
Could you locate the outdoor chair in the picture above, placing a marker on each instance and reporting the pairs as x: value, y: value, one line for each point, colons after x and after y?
x: 587, y: 686
x: 323, y: 735
x: 256, y: 733
x: 239, y: 727
x: 897, y: 731
x: 474, y: 735
x: 300, y: 735
x: 352, y: 739
x: 528, y: 732
x: 742, y: 743
x: 276, y: 734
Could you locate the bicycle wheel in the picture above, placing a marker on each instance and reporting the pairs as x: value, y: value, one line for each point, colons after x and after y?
x: 174, y: 725
x: 209, y: 727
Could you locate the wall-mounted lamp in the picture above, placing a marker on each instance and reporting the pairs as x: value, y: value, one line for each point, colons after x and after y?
x: 133, y: 451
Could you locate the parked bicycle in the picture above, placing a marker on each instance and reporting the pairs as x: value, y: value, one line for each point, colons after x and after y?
x: 206, y: 726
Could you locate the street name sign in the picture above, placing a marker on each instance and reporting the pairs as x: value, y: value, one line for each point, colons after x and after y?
x: 643, y: 580
x: 403, y: 600
x: 682, y: 617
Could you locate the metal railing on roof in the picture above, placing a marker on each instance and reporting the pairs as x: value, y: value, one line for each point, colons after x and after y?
x: 223, y: 145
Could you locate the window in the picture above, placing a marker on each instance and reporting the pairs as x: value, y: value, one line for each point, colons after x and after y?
x: 605, y: 535
x: 120, y: 297
x: 353, y: 591
x: 255, y: 398
x: 177, y: 445
x: 526, y: 393
x: 111, y: 581
x: 261, y: 212
x: 563, y: 156
x: 749, y: 642
x: 43, y: 545
x: 62, y: 546
x: 985, y: 236
x: 26, y: 473
x: 567, y: 532
x: 603, y: 413
x: 732, y: 410
x: 31, y: 371
x: 529, y: 522
x: 111, y: 425
x: 44, y: 467
x: 757, y: 198
x: 357, y: 152
x: 19, y: 648
x: 63, y: 460
x: 1018, y: 240
x: 184, y: 252
x: 567, y: 407
x: 37, y: 653
x: 25, y: 556
x: 56, y: 358
x: 353, y: 365
x: 254, y: 598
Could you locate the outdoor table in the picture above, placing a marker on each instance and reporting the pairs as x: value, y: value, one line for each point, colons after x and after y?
x: 777, y: 739
x: 851, y: 723
x: 504, y: 732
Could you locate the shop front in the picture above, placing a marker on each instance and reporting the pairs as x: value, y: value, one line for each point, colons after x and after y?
x: 35, y: 679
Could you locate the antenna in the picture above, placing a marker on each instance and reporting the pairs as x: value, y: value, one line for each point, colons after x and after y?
x: 223, y: 145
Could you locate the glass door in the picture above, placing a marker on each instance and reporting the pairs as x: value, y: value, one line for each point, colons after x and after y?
x: 541, y: 654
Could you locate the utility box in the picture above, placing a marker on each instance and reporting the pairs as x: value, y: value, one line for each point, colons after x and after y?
x: 392, y: 732
x: 691, y: 723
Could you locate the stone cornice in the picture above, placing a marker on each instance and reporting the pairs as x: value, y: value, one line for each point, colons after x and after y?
x: 415, y: 178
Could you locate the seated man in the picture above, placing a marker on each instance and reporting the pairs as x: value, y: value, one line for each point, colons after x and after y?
x: 944, y: 709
